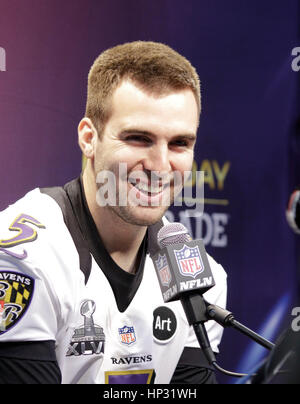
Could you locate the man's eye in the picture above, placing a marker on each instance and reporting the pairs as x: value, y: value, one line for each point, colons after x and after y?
x: 180, y: 143
x: 138, y: 138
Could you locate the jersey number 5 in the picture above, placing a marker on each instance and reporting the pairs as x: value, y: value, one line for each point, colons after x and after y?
x: 25, y: 234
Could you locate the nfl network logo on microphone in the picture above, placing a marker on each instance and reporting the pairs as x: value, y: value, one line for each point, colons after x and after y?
x: 163, y: 270
x: 189, y: 261
x: 181, y: 268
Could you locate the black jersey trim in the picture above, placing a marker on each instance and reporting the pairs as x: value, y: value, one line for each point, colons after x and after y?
x: 193, y: 375
x: 193, y: 368
x: 61, y: 197
x: 194, y: 357
x: 31, y: 350
x: 123, y: 284
x: 24, y: 371
x: 80, y: 223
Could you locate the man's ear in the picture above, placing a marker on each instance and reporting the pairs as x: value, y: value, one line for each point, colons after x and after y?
x: 87, y: 137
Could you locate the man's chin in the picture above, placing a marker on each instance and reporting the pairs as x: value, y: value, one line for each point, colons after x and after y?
x: 140, y: 215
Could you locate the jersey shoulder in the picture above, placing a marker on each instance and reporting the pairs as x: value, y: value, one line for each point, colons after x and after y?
x: 35, y: 208
x: 38, y: 264
x: 33, y: 231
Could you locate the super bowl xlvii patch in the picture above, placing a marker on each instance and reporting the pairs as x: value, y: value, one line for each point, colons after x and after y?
x: 16, y: 291
x: 89, y: 338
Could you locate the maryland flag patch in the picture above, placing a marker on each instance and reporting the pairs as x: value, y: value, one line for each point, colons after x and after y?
x: 16, y: 292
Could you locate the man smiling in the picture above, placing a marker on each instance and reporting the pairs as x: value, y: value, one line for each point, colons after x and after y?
x: 149, y: 133
x: 94, y: 312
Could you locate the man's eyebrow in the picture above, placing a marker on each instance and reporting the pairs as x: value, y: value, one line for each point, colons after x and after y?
x: 186, y: 136
x: 137, y: 131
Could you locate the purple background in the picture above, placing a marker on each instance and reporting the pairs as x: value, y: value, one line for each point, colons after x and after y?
x: 242, y: 51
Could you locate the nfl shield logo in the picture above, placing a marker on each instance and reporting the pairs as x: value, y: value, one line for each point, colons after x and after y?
x: 127, y: 335
x: 189, y: 261
x: 163, y: 270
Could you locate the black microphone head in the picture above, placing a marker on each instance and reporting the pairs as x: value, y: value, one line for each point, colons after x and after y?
x: 181, y: 263
x: 172, y: 233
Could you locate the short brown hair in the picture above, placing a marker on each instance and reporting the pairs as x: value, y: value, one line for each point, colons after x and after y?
x: 154, y: 66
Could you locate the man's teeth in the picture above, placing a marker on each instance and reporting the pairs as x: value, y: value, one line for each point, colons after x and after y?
x: 148, y: 189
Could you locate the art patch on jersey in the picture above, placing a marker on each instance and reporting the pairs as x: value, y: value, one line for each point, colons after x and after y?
x: 189, y: 261
x: 164, y: 324
x: 88, y: 339
x: 127, y: 335
x: 163, y: 270
x: 16, y: 291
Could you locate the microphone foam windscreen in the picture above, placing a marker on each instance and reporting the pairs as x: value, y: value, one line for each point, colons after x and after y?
x: 172, y: 233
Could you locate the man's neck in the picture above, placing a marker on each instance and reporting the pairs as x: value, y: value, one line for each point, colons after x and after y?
x: 122, y: 240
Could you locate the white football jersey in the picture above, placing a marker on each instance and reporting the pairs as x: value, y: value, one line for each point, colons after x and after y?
x: 44, y: 295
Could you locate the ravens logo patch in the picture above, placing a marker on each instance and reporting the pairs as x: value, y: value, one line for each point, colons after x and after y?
x: 16, y: 291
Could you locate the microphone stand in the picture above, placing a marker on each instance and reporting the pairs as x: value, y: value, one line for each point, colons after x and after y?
x: 198, y: 311
x: 195, y: 310
x: 226, y: 319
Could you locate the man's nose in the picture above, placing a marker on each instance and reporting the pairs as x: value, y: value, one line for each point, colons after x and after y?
x: 158, y: 159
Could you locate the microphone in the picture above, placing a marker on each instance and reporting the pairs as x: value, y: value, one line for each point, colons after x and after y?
x: 181, y: 264
x: 184, y: 274
x: 293, y: 211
